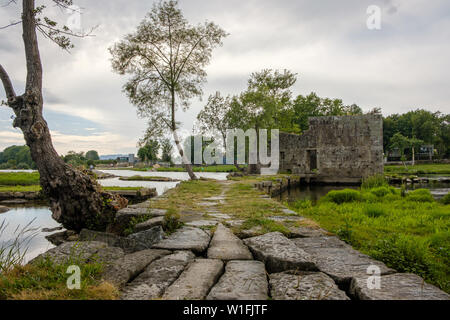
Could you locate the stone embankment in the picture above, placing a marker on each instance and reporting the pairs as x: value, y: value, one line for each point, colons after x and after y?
x: 205, y: 260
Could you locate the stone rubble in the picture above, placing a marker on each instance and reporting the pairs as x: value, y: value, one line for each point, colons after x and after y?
x: 186, y: 238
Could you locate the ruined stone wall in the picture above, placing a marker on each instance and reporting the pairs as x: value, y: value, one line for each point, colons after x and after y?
x: 335, y: 149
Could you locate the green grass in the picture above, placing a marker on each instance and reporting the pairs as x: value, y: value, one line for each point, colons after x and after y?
x: 19, y: 178
x: 409, y: 234
x: 46, y: 280
x: 419, y: 169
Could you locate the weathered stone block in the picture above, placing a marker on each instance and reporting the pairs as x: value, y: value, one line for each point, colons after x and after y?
x: 196, y: 281
x: 279, y: 253
x: 304, y: 286
x: 186, y: 238
x: 242, y: 280
x: 226, y: 246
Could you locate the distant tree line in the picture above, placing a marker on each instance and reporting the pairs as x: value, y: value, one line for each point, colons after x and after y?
x: 16, y: 157
x: 149, y: 151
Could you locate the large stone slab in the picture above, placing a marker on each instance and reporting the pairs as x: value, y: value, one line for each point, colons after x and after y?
x: 112, y: 240
x: 398, y: 286
x: 226, y: 246
x: 186, y: 238
x: 242, y: 280
x: 339, y: 260
x: 304, y: 286
x: 157, y: 277
x: 108, y: 255
x: 279, y: 253
x: 125, y: 216
x: 196, y: 281
x: 130, y: 265
x: 153, y: 222
x: 72, y: 251
x: 147, y: 238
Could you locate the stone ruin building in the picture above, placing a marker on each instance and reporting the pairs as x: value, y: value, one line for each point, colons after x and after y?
x: 335, y: 149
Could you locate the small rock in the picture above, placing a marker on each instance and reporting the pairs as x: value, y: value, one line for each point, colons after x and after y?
x: 249, y: 233
x: 50, y: 229
x: 196, y: 281
x: 153, y: 222
x: 60, y: 237
x: 130, y: 265
x: 3, y: 209
x: 242, y: 280
x: 226, y: 246
x: 202, y: 223
x: 157, y: 277
x: 305, y: 232
x: 219, y: 216
x: 279, y: 253
x: 398, y: 286
x: 304, y: 286
x: 186, y: 238
x: 146, y: 239
x: 14, y: 201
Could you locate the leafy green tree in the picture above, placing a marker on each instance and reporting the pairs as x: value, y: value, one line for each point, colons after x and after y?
x: 166, y: 59
x: 313, y: 106
x: 20, y: 154
x: 166, y: 148
x: 92, y: 155
x: 149, y: 151
x: 215, y: 116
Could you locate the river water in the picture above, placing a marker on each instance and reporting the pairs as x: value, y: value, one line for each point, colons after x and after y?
x: 40, y: 216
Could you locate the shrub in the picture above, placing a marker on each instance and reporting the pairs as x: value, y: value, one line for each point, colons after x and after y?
x: 302, y: 204
x: 408, y: 254
x: 369, y: 197
x: 420, y: 195
x: 446, y: 199
x: 342, y: 196
x: 374, y: 182
x: 374, y: 211
x: 380, y: 191
x: 172, y: 220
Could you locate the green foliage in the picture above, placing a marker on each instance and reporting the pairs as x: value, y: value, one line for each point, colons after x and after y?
x: 419, y: 169
x: 166, y: 148
x: 134, y: 221
x: 446, y: 199
x: 420, y: 195
x: 149, y: 152
x: 374, y: 211
x: 16, y: 157
x: 342, y: 196
x: 380, y: 191
x: 430, y: 127
x: 302, y: 204
x: 409, y: 254
x: 172, y: 220
x: 374, y: 181
x: 92, y: 155
x: 266, y: 226
x: 419, y: 222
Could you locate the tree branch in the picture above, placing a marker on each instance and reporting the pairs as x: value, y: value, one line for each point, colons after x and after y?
x: 7, y: 84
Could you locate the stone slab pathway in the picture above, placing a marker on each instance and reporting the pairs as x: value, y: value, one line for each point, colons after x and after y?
x: 242, y: 280
x: 226, y: 246
x: 196, y: 281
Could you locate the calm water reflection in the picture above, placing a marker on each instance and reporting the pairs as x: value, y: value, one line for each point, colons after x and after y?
x: 19, y: 217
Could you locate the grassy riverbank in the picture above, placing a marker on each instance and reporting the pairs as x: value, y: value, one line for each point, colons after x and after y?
x: 19, y: 178
x: 37, y: 188
x: 419, y: 169
x: 407, y: 232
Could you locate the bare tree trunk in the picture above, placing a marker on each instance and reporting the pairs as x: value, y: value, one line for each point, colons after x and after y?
x: 76, y: 199
x: 187, y: 164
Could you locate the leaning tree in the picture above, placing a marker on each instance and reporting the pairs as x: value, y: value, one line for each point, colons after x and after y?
x: 166, y: 59
x: 76, y: 200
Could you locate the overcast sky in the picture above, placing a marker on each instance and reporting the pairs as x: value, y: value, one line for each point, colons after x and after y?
x: 403, y: 66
